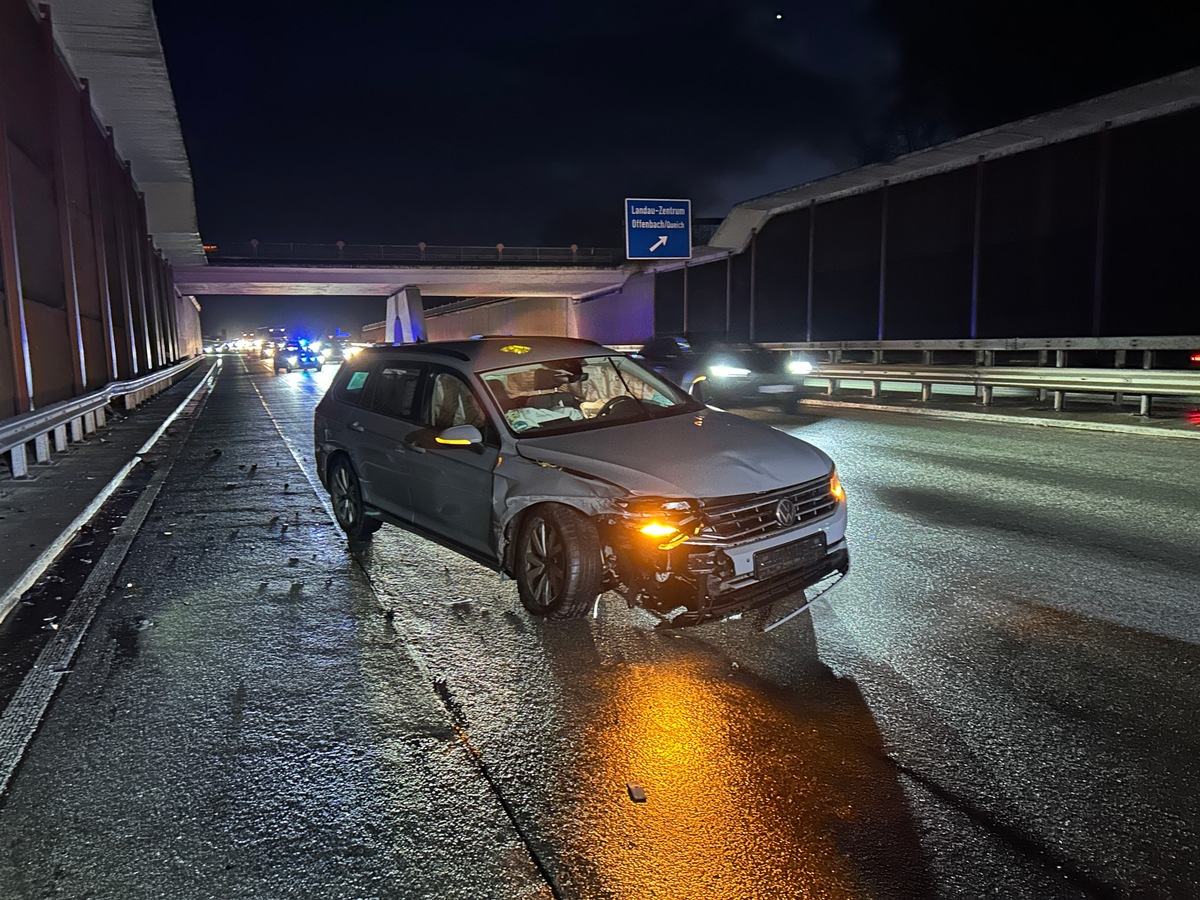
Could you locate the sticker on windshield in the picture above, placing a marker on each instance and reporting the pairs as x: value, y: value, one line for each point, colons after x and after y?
x: 356, y: 381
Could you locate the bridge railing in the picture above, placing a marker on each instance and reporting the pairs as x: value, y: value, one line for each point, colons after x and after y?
x: 341, y: 253
x: 52, y: 426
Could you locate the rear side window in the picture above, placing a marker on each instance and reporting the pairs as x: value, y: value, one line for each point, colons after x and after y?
x: 395, y: 391
x: 353, y: 389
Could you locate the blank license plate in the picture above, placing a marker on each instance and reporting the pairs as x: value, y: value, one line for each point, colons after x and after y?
x: 796, y: 555
x: 776, y: 388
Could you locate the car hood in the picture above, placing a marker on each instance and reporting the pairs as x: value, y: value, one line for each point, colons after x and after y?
x: 700, y: 455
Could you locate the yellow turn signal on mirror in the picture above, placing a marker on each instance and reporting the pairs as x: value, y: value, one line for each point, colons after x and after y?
x: 459, y: 442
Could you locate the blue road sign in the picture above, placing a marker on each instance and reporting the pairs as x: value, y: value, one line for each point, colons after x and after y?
x: 658, y: 229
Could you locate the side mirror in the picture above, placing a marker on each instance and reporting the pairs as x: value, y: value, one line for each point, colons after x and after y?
x: 460, y: 436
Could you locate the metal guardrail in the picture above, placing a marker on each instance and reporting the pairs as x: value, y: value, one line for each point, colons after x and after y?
x: 77, y: 417
x: 1145, y: 383
x: 260, y: 253
x: 1002, y: 363
x: 1055, y: 378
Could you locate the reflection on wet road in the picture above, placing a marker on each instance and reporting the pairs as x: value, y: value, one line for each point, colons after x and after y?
x: 1002, y: 698
x: 750, y: 790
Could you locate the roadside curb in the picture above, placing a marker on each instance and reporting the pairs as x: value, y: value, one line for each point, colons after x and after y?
x: 998, y: 418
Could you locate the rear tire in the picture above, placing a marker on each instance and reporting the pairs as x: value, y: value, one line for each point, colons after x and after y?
x: 558, y: 564
x: 345, y: 493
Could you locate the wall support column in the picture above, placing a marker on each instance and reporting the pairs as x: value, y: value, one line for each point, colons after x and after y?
x: 976, y: 246
x: 116, y: 196
x: 883, y: 226
x: 728, y: 294
x: 14, y: 299
x: 1101, y: 227
x: 138, y: 278
x: 685, y: 298
x: 753, y: 277
x: 62, y: 200
x: 96, y: 204
x: 812, y: 242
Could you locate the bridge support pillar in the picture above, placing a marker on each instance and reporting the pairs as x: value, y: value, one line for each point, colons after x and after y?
x: 405, y: 320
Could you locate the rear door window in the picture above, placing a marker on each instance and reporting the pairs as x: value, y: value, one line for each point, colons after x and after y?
x: 395, y: 390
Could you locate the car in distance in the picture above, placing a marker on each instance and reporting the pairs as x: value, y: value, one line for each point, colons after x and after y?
x: 294, y: 355
x: 728, y: 374
x: 576, y: 471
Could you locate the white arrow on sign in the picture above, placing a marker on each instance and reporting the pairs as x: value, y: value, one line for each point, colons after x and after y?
x: 662, y: 242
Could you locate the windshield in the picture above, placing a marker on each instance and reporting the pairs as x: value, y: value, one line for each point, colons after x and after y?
x: 579, y: 394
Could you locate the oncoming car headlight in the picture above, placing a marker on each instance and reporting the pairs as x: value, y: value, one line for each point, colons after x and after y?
x: 724, y: 371
x: 799, y: 367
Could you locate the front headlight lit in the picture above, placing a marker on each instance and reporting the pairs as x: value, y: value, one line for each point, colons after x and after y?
x: 658, y: 529
x: 727, y: 371
x: 835, y: 487
x: 800, y: 367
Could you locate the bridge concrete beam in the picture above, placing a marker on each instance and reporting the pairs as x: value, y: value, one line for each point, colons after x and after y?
x: 462, y: 281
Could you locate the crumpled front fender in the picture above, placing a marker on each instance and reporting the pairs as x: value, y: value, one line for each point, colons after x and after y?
x: 521, y: 483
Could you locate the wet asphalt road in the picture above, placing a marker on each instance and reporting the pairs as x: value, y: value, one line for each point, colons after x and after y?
x: 1002, y: 699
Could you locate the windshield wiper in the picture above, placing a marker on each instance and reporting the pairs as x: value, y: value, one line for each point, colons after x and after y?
x: 629, y: 392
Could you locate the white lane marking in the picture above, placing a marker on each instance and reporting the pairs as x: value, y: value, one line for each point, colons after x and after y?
x: 29, y: 577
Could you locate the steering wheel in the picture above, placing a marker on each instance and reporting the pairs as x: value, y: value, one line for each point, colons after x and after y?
x: 612, y: 404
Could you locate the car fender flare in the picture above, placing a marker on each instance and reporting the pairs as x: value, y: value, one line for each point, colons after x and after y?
x: 510, y: 527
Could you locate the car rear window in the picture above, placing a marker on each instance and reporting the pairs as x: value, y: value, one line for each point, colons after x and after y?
x: 352, y: 389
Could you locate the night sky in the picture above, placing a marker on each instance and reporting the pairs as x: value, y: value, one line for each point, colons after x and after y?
x: 528, y: 123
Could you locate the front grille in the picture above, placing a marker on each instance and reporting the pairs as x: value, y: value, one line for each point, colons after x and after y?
x: 732, y: 519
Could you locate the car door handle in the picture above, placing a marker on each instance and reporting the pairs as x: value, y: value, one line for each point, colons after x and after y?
x: 354, y: 426
x: 409, y: 445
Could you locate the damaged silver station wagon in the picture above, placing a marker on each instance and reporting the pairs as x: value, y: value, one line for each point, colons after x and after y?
x: 576, y: 471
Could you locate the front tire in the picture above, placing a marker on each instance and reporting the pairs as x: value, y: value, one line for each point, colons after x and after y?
x: 345, y: 492
x: 558, y: 565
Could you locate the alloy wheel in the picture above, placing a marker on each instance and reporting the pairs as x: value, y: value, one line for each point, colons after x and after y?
x: 545, y: 563
x: 345, y: 496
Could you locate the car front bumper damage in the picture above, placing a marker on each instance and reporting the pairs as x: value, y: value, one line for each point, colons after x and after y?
x: 692, y: 584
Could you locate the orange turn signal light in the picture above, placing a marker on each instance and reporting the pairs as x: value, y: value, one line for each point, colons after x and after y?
x: 835, y: 487
x: 657, y: 529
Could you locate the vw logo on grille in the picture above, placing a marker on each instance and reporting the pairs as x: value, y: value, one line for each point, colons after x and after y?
x: 785, y: 512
